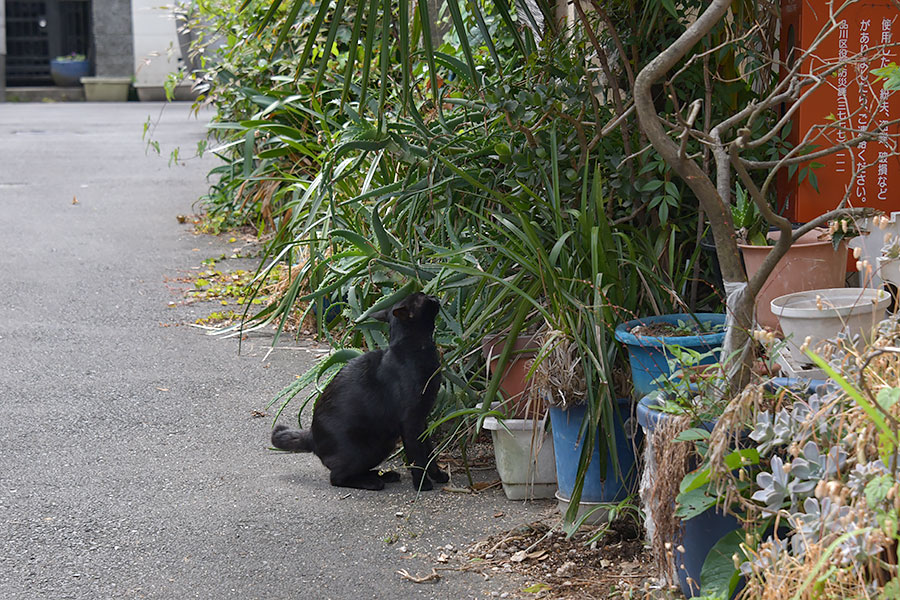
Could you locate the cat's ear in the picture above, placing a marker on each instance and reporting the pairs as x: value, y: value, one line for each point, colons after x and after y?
x: 401, y: 312
x: 381, y: 315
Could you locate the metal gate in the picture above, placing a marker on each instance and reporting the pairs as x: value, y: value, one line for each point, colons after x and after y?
x: 40, y: 30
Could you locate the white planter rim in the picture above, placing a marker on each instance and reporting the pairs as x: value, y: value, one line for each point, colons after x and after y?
x: 106, y: 80
x: 835, y: 301
x: 494, y: 424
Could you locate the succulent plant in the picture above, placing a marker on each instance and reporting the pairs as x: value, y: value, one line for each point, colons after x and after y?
x: 823, y: 500
x: 773, y: 486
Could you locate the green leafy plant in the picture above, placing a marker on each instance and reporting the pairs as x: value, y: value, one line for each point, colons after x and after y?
x: 72, y: 57
x: 496, y: 172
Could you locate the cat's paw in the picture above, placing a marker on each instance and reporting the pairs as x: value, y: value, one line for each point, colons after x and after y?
x: 424, y: 485
x: 438, y: 476
x: 389, y: 476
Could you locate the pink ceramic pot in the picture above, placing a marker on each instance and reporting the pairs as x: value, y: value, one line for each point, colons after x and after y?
x: 811, y: 263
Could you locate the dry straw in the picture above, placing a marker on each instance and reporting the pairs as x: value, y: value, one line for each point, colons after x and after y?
x: 558, y: 372
x: 673, y: 461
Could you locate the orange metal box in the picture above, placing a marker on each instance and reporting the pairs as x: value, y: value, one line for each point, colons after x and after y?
x: 851, y: 99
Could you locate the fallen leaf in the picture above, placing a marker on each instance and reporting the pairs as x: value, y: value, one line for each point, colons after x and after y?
x: 498, y: 514
x: 162, y: 389
x: 74, y: 200
x: 518, y: 556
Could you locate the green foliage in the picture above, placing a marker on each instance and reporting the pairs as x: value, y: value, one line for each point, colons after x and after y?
x: 478, y: 167
x: 73, y: 57
x: 719, y: 576
x: 890, y: 74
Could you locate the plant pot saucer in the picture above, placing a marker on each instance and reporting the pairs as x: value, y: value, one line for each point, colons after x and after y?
x: 599, y: 511
x: 793, y: 370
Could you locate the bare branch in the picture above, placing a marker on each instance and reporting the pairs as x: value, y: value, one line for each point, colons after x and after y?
x: 864, y: 137
x: 692, y: 116
x: 604, y: 16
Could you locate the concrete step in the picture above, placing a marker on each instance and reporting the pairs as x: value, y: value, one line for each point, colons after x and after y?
x: 45, y: 94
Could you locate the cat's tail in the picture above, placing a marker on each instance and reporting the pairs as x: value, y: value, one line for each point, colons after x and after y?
x: 295, y: 440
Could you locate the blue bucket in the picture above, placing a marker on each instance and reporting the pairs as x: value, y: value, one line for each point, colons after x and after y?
x: 700, y: 534
x: 697, y: 535
x: 607, y: 484
x: 648, y: 355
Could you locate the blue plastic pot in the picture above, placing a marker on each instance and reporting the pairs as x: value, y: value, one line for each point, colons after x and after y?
x: 697, y: 535
x: 648, y: 355
x: 700, y: 534
x: 609, y: 484
x: 68, y: 73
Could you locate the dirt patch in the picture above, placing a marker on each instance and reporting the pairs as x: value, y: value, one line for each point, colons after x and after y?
x: 667, y: 330
x: 605, y: 563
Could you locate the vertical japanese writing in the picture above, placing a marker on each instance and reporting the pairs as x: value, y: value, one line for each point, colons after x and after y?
x: 882, y: 175
x: 862, y: 111
x: 884, y: 113
x: 843, y: 108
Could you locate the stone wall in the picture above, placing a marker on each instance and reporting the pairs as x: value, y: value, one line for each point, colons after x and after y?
x: 113, y: 43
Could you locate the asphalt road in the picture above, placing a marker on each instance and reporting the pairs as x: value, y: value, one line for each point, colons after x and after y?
x: 131, y: 463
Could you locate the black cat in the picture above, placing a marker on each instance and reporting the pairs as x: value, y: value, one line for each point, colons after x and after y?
x: 375, y: 399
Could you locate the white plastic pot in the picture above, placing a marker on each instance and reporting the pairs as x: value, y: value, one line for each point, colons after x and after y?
x: 889, y: 269
x: 106, y: 89
x: 870, y: 241
x: 823, y: 314
x: 524, y: 456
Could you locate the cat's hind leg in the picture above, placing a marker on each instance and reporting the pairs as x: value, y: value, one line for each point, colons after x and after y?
x: 368, y: 480
x: 388, y: 476
x: 435, y: 473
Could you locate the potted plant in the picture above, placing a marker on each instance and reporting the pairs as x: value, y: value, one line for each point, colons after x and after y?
x: 681, y: 540
x: 694, y: 530
x: 650, y: 340
x: 808, y: 318
x: 608, y: 471
x: 815, y: 260
x: 825, y: 472
x: 67, y: 70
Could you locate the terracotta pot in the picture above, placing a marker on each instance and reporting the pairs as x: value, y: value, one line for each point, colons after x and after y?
x: 811, y: 263
x: 513, y: 383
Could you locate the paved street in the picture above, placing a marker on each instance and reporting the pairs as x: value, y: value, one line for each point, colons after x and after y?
x: 131, y: 462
